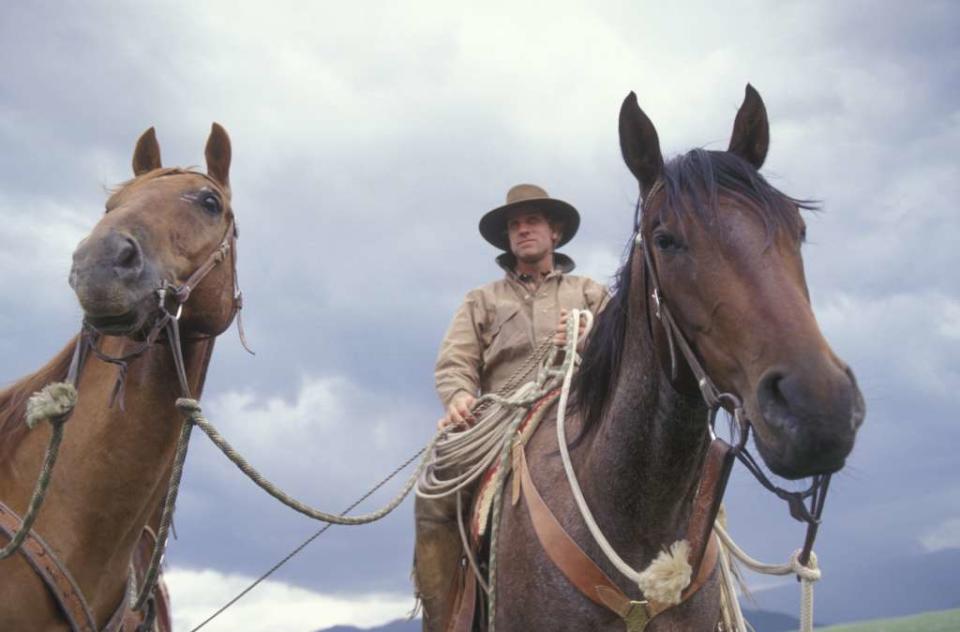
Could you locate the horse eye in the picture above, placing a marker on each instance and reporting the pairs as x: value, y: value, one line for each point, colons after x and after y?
x: 210, y: 203
x: 666, y: 241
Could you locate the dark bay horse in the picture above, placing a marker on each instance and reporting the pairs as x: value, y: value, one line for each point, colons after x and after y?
x: 115, y: 461
x: 726, y: 248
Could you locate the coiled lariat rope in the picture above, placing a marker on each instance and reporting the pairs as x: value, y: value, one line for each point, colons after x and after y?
x: 532, y: 361
x: 193, y: 415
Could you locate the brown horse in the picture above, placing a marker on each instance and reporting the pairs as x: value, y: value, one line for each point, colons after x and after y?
x: 115, y: 462
x: 726, y: 248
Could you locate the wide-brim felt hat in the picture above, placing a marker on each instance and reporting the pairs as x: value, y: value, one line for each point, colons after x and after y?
x: 493, y: 225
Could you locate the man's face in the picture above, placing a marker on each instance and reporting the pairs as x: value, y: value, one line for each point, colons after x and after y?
x: 531, y: 235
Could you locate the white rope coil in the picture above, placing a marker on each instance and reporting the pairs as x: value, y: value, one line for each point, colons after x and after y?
x: 460, y: 458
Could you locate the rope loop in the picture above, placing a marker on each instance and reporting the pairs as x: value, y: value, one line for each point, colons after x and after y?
x: 810, y: 572
x: 189, y: 408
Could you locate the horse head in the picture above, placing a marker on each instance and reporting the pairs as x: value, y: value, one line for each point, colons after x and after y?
x: 725, y: 249
x: 159, y: 229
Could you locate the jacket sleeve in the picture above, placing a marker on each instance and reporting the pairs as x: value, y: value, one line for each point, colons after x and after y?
x: 595, y: 295
x: 460, y: 359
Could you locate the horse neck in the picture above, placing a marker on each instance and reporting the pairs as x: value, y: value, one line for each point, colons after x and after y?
x: 115, y: 462
x: 644, y: 458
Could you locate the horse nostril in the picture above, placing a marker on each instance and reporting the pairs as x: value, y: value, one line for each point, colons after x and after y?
x: 774, y: 403
x: 127, y: 259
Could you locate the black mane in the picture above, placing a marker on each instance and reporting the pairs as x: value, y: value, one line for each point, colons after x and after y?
x: 692, y: 186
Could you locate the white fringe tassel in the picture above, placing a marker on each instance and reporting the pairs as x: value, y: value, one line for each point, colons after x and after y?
x: 667, y: 575
x: 53, y: 402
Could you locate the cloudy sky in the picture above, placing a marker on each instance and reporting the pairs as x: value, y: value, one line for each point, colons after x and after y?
x: 368, y: 138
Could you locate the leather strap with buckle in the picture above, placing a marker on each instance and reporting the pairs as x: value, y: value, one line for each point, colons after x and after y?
x: 586, y: 575
x: 58, y: 580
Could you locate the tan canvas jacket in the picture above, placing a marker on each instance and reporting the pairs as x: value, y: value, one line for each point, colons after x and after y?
x: 500, y: 324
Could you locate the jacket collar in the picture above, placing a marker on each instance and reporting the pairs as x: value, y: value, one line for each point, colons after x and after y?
x: 561, y: 263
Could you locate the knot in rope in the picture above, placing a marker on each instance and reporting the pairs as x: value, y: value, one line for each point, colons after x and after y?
x: 53, y: 403
x: 189, y: 408
x: 810, y: 572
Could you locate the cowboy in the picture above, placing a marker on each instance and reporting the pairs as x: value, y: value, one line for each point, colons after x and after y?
x: 493, y: 334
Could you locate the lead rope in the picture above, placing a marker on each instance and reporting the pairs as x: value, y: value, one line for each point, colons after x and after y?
x: 532, y: 361
x: 807, y: 574
x: 53, y: 404
x: 192, y: 414
x: 306, y: 542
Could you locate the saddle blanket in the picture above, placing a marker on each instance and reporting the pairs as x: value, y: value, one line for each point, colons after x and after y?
x: 486, y: 489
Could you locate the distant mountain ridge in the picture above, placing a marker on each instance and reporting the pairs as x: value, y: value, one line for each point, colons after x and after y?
x: 400, y: 625
x: 761, y: 620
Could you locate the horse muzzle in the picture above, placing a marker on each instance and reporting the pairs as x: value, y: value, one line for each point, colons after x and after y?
x: 806, y: 421
x: 115, y: 283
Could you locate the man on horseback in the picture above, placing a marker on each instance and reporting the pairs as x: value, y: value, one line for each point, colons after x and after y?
x: 496, y: 329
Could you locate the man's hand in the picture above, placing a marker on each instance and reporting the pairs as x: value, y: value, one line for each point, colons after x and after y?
x: 560, y: 337
x: 459, y: 413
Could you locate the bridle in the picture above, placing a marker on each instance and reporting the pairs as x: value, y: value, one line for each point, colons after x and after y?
x: 171, y: 299
x: 715, y: 399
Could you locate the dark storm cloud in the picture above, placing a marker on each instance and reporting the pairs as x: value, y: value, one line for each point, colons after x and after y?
x: 366, y: 146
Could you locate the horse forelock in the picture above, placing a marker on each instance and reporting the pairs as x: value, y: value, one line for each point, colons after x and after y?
x: 694, y: 183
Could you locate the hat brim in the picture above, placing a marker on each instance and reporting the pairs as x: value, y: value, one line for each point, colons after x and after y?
x: 493, y: 225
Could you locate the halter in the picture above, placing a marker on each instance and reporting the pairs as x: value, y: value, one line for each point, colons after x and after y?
x: 716, y: 399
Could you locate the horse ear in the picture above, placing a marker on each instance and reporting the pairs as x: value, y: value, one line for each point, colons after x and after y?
x: 639, y: 144
x: 146, y: 156
x: 751, y: 130
x: 218, y: 155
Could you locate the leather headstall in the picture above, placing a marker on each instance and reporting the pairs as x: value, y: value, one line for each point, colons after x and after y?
x: 716, y: 399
